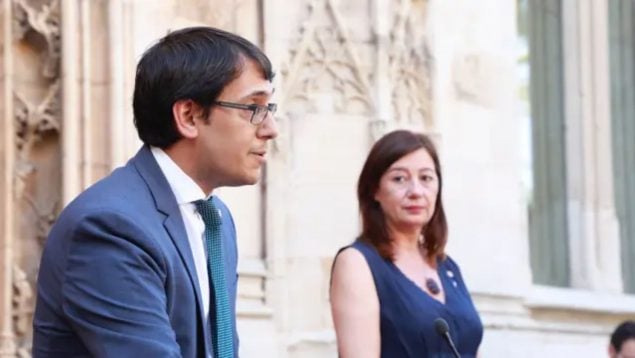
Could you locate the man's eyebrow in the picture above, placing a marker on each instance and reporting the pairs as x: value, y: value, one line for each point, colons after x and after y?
x: 259, y: 93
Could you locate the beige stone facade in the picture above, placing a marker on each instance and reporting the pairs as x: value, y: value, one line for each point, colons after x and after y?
x: 348, y: 71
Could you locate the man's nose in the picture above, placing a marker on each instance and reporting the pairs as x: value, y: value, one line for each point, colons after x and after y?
x: 269, y: 127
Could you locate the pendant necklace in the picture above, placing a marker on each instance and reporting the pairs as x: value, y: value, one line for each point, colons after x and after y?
x: 432, y: 286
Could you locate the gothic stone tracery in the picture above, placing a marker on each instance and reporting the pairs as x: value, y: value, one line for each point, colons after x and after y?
x: 37, y: 176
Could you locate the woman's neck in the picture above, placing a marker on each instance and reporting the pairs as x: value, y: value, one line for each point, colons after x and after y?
x: 406, y: 241
x: 408, y: 245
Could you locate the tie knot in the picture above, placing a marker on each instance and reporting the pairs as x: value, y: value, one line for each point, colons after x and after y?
x: 209, y: 212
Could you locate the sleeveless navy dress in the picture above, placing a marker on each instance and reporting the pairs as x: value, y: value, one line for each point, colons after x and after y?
x: 407, y: 313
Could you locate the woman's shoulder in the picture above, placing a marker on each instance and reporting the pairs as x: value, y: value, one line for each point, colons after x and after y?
x: 451, y: 265
x: 447, y: 261
x: 350, y: 256
x: 351, y: 269
x: 357, y: 246
x: 356, y: 252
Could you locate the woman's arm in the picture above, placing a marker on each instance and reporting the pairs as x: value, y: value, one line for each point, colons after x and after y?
x: 355, y: 306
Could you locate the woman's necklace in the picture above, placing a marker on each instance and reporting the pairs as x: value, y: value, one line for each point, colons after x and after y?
x: 432, y: 286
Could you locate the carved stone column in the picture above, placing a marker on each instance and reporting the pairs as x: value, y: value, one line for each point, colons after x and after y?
x: 410, y: 66
x: 7, y: 344
x: 30, y: 158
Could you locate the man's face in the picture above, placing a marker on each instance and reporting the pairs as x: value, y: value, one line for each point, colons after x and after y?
x: 627, y: 350
x: 230, y: 151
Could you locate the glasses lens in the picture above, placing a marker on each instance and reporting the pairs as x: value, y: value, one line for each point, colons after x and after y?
x: 259, y: 115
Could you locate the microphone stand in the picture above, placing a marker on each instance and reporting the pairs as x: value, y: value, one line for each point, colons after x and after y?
x: 443, y: 329
x: 451, y: 344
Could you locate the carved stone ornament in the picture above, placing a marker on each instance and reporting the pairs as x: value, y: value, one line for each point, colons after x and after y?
x: 323, y: 73
x: 36, y: 101
x: 22, y: 310
x: 46, y: 217
x: 42, y: 17
x: 410, y: 64
x: 31, y: 123
x: 36, y: 116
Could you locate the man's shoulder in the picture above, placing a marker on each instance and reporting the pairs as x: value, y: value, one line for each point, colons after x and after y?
x: 123, y: 191
x: 122, y: 186
x: 118, y: 188
x: 119, y: 203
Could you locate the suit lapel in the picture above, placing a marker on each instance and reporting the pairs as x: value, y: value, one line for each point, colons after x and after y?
x: 166, y: 203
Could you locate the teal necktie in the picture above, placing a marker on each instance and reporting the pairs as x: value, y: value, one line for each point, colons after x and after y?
x: 222, y: 330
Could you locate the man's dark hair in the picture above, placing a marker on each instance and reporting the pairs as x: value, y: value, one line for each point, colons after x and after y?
x: 623, y: 332
x: 193, y: 63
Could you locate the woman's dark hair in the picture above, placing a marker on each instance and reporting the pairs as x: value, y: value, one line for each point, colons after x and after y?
x: 389, y: 149
x: 194, y: 63
x: 623, y: 332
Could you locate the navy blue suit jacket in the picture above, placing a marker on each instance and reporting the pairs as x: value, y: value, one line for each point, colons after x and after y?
x: 117, y: 276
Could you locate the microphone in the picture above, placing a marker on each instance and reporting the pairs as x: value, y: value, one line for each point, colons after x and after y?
x: 442, y: 329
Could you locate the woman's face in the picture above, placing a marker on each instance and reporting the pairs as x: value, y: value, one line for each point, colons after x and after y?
x: 408, y: 191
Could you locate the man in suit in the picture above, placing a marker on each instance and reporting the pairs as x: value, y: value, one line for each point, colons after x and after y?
x: 143, y: 263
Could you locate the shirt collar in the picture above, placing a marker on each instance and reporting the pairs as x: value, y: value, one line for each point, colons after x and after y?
x: 183, y: 186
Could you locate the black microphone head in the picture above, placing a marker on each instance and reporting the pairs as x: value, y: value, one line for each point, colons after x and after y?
x: 441, y: 326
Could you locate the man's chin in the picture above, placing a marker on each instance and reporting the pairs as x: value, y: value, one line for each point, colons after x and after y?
x: 253, y: 177
x: 252, y: 181
x: 250, y: 178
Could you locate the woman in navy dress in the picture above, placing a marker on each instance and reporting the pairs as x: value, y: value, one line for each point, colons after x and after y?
x: 390, y: 286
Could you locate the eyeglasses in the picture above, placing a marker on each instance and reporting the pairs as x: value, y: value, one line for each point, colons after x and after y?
x: 258, y: 112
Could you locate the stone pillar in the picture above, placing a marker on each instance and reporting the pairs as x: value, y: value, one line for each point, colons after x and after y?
x: 594, y: 230
x: 7, y: 162
x: 93, y: 105
x: 29, y: 158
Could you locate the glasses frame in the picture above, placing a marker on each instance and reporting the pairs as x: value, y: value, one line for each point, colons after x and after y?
x: 254, y: 108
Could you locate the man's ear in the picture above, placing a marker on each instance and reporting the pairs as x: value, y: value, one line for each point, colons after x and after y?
x: 612, y: 352
x: 185, y: 113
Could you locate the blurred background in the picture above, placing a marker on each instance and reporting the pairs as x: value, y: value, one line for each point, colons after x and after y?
x: 531, y: 102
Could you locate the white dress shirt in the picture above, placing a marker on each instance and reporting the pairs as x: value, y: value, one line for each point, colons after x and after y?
x: 187, y: 192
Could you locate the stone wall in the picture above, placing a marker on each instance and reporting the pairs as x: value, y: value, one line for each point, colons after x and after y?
x: 348, y: 71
